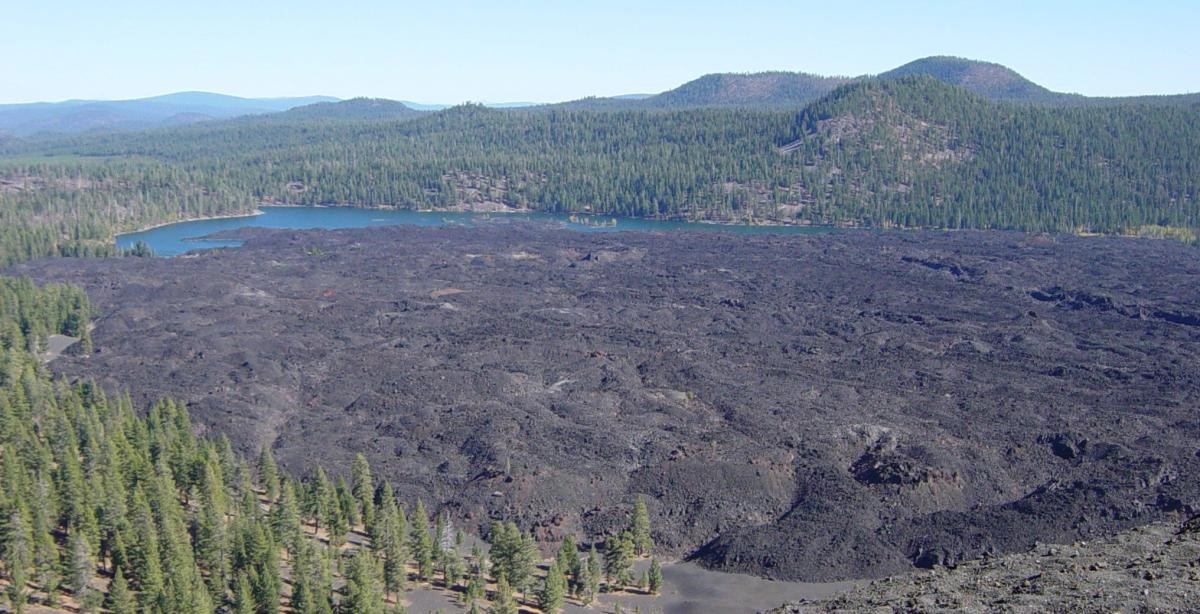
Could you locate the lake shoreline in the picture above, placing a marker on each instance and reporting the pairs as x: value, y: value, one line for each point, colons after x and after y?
x: 257, y: 212
x: 177, y: 237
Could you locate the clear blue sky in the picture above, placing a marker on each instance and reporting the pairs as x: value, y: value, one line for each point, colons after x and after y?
x: 449, y: 51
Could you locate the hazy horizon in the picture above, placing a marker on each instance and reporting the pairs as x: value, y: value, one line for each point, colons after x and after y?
x: 543, y: 52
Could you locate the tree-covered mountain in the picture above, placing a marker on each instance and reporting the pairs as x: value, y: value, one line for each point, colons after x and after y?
x: 916, y: 152
x: 352, y: 109
x: 794, y: 89
x: 1002, y: 84
x: 991, y: 81
x: 765, y: 89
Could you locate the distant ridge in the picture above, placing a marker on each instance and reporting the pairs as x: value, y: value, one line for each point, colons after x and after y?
x: 763, y: 90
x: 353, y: 109
x: 756, y: 89
x: 992, y: 81
x: 137, y: 114
x: 777, y: 89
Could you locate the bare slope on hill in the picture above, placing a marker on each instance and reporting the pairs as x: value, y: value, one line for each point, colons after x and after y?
x: 800, y: 407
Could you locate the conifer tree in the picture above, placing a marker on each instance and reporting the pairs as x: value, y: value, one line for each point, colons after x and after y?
x: 113, y: 515
x: 144, y: 555
x: 474, y: 590
x: 322, y: 500
x: 570, y: 563
x: 503, y: 601
x: 390, y: 543
x: 364, y: 589
x: 583, y: 586
x: 243, y: 595
x: 17, y: 560
x: 348, y: 505
x: 554, y: 589
x: 210, y: 531
x: 119, y: 553
x: 654, y: 578
x: 48, y: 564
x: 82, y: 566
x: 618, y: 558
x: 285, y: 518
x: 312, y: 588
x: 119, y: 599
x: 440, y: 536
x: 304, y: 571
x: 640, y: 529
x: 268, y: 473
x: 594, y: 573
x: 363, y: 488
x: 265, y: 577
x: 421, y: 543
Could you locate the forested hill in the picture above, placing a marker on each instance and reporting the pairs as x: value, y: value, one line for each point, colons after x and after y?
x: 910, y: 151
x: 353, y: 109
x: 766, y: 89
x: 916, y: 152
x: 991, y: 81
x: 793, y: 90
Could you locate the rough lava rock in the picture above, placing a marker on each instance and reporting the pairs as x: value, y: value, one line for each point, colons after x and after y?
x: 811, y: 407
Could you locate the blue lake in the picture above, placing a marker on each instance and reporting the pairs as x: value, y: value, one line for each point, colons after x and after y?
x: 175, y: 239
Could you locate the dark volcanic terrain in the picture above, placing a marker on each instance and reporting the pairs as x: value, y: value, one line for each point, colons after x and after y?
x: 1154, y: 568
x: 817, y: 407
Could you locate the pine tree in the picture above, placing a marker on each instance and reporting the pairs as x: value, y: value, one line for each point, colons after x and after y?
x: 363, y: 488
x: 48, y: 565
x: 209, y: 530
x: 265, y: 577
x: 474, y: 590
x: 421, y: 543
x: 593, y: 574
x: 312, y: 580
x: 570, y: 563
x: 145, y: 557
x: 348, y: 504
x: 503, y: 602
x: 618, y: 559
x: 554, y: 589
x: 390, y: 543
x: 583, y: 585
x: 82, y: 566
x: 642, y: 542
x: 268, y: 473
x: 17, y: 560
x: 440, y: 536
x: 120, y: 600
x: 285, y: 518
x: 322, y: 500
x: 450, y: 563
x: 654, y: 578
x: 364, y: 589
x: 243, y: 596
x: 525, y: 563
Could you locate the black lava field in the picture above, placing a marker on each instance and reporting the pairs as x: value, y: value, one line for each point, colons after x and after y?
x: 809, y: 407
